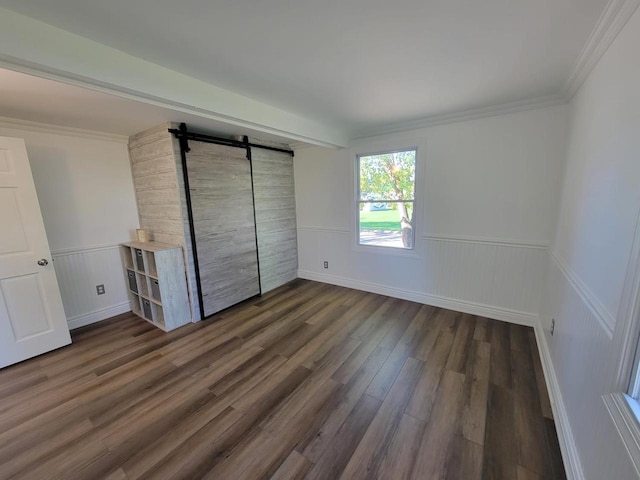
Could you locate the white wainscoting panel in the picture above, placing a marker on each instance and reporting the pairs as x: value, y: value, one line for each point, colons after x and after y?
x: 578, y: 363
x: 79, y: 270
x: 507, y: 275
x: 493, y: 278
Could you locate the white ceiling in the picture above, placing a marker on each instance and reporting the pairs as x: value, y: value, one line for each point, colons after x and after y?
x: 359, y: 64
x: 35, y: 99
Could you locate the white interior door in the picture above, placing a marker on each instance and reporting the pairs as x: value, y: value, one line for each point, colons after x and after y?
x: 32, y: 319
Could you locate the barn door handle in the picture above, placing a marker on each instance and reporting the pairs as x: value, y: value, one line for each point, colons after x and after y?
x: 43, y: 262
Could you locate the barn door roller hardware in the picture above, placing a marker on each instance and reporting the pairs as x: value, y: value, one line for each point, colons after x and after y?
x: 184, y: 135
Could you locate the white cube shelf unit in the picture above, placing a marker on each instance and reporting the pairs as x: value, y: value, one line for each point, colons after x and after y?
x: 156, y: 283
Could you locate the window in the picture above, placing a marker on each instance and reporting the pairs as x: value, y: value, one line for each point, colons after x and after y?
x: 632, y: 339
x: 624, y: 408
x: 386, y: 198
x: 634, y: 384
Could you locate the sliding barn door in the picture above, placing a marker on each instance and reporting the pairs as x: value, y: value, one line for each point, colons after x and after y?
x: 275, y: 217
x: 224, y: 224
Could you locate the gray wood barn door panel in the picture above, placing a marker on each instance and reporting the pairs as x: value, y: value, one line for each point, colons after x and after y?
x: 224, y: 224
x: 275, y: 217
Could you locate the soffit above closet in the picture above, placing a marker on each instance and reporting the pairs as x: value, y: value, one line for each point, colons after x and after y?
x: 35, y: 99
x: 359, y: 64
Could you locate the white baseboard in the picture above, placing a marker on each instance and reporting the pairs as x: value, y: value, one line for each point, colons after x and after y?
x: 98, y: 315
x: 570, y: 457
x: 496, y: 313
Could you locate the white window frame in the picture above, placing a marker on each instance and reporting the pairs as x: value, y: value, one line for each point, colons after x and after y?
x: 377, y: 149
x: 634, y: 383
x: 622, y: 403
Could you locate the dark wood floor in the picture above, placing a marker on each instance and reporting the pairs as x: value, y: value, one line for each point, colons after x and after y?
x: 310, y: 381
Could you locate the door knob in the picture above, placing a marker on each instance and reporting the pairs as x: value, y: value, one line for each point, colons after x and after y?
x: 43, y: 262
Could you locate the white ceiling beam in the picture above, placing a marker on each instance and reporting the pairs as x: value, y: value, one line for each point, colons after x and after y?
x: 34, y: 47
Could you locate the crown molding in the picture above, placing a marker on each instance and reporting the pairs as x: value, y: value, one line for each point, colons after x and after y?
x: 464, y: 115
x: 18, y: 124
x: 615, y: 16
x: 613, y: 19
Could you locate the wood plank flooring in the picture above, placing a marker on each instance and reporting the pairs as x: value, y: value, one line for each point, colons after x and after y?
x: 309, y: 381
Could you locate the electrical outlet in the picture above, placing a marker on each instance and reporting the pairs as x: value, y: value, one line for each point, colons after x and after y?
x: 326, y: 264
x: 553, y: 326
x: 100, y: 289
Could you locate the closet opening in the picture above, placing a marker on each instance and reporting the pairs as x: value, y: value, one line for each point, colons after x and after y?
x: 219, y: 187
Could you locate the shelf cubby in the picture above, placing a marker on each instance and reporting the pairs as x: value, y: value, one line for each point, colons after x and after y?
x: 134, y: 300
x: 127, y: 258
x: 132, y: 281
x: 158, y: 315
x: 151, y: 268
x: 143, y: 286
x: 156, y: 283
x: 139, y: 259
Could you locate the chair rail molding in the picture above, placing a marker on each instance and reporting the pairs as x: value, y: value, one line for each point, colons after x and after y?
x: 605, y: 319
x: 77, y: 250
x: 487, y: 241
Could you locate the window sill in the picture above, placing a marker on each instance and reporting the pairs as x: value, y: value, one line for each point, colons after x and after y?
x: 625, y: 413
x: 392, y: 251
